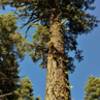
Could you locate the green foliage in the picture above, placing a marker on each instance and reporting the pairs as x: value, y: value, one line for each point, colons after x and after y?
x: 72, y: 14
x: 8, y: 65
x: 24, y: 91
x: 12, y: 44
x: 22, y: 45
x: 92, y: 90
x: 73, y: 17
x: 40, y: 42
x: 74, y: 20
x: 7, y: 24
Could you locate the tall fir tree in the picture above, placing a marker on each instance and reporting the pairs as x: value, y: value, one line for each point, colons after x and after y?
x: 92, y: 89
x: 60, y: 22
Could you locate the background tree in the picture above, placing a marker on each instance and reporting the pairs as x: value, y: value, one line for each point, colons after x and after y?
x: 24, y: 92
x: 60, y: 23
x: 8, y: 65
x: 92, y: 90
x: 11, y: 87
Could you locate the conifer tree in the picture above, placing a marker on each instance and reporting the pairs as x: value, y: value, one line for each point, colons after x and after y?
x: 60, y: 22
x: 8, y: 65
x: 11, y: 87
x: 92, y: 90
x: 24, y: 91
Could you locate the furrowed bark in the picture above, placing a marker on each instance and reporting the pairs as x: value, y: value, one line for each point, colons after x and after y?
x: 57, y: 85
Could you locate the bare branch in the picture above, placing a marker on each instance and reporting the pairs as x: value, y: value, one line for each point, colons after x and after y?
x: 6, y: 94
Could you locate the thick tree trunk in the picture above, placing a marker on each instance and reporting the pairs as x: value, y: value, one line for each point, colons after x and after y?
x: 57, y: 85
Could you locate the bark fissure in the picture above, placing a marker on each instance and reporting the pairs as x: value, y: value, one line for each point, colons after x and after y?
x: 57, y: 86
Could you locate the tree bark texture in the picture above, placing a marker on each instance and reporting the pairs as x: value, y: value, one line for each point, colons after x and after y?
x: 57, y: 83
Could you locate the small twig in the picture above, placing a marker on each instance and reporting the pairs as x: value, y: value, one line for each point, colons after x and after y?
x: 6, y: 94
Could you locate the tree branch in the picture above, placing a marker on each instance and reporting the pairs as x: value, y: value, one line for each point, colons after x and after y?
x: 6, y: 94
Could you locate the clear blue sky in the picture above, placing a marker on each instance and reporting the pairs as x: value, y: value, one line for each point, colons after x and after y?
x: 90, y: 44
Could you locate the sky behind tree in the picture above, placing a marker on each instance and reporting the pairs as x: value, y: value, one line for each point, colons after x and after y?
x: 89, y: 66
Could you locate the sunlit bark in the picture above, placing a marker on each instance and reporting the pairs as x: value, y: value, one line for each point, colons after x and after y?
x: 57, y: 86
